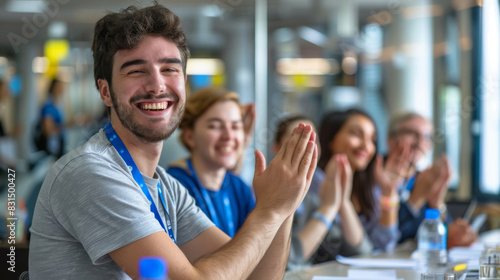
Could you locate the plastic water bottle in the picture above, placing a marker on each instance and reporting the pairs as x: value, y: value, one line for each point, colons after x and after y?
x: 153, y: 268
x: 432, y: 242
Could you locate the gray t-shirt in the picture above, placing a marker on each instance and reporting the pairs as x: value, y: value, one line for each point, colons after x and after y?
x: 90, y: 205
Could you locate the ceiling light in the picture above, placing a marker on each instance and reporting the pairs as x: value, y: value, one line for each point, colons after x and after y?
x: 40, y: 65
x: 422, y: 11
x: 349, y: 65
x: 307, y: 66
x: 26, y: 6
x: 205, y: 66
x: 211, y: 11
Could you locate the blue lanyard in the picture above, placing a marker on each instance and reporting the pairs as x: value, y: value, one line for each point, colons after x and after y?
x: 407, y: 188
x: 122, y: 150
x: 210, y: 207
x: 411, y: 183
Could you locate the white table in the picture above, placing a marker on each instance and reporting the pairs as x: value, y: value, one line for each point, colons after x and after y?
x: 334, y: 268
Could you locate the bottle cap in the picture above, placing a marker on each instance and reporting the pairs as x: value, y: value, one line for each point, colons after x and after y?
x: 432, y: 214
x: 152, y: 267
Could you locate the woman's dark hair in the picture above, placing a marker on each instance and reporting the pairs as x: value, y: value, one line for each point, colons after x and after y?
x: 284, y: 123
x: 126, y: 29
x: 363, y: 181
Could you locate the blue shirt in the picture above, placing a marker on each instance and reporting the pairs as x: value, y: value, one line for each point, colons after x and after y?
x: 50, y: 109
x: 52, y: 144
x: 240, y: 196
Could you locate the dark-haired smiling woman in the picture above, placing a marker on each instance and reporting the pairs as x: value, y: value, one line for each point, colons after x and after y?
x: 352, y: 136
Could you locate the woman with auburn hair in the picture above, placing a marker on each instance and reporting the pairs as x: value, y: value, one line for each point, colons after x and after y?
x: 216, y: 130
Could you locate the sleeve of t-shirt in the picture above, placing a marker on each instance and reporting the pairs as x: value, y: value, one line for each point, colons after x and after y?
x: 101, y: 206
x: 191, y: 221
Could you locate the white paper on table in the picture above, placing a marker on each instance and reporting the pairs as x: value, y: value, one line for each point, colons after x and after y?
x: 469, y: 255
x: 378, y: 263
x: 371, y: 273
x: 464, y: 253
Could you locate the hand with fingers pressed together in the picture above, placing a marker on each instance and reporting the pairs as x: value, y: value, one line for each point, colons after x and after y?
x: 345, y: 174
x: 431, y: 185
x: 307, y: 232
x: 298, y: 156
x: 393, y: 172
x: 441, y: 170
x: 330, y: 192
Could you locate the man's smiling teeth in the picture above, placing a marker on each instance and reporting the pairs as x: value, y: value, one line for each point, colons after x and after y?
x: 154, y: 106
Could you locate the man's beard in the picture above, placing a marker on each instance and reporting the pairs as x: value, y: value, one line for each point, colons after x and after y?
x: 126, y: 117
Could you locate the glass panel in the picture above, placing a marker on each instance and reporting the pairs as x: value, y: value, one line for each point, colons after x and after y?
x: 490, y: 101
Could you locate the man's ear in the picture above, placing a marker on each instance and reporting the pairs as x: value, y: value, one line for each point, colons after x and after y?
x: 104, y: 91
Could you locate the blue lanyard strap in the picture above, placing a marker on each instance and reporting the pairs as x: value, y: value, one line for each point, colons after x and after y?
x: 136, y: 174
x: 210, y: 207
x: 411, y: 182
x: 407, y: 188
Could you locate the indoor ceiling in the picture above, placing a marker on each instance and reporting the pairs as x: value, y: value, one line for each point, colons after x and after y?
x: 79, y: 16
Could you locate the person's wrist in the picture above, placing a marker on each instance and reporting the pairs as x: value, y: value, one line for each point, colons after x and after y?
x: 328, y: 211
x: 389, y: 203
x: 389, y: 191
x: 270, y: 214
x: 415, y: 202
x: 320, y: 217
x: 443, y: 210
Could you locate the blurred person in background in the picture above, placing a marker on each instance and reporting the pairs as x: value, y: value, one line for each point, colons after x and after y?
x: 5, y: 163
x: 213, y: 130
x: 50, y: 132
x: 9, y: 129
x: 314, y: 218
x: 424, y: 189
x: 356, y: 221
x: 353, y: 133
x: 4, y: 95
